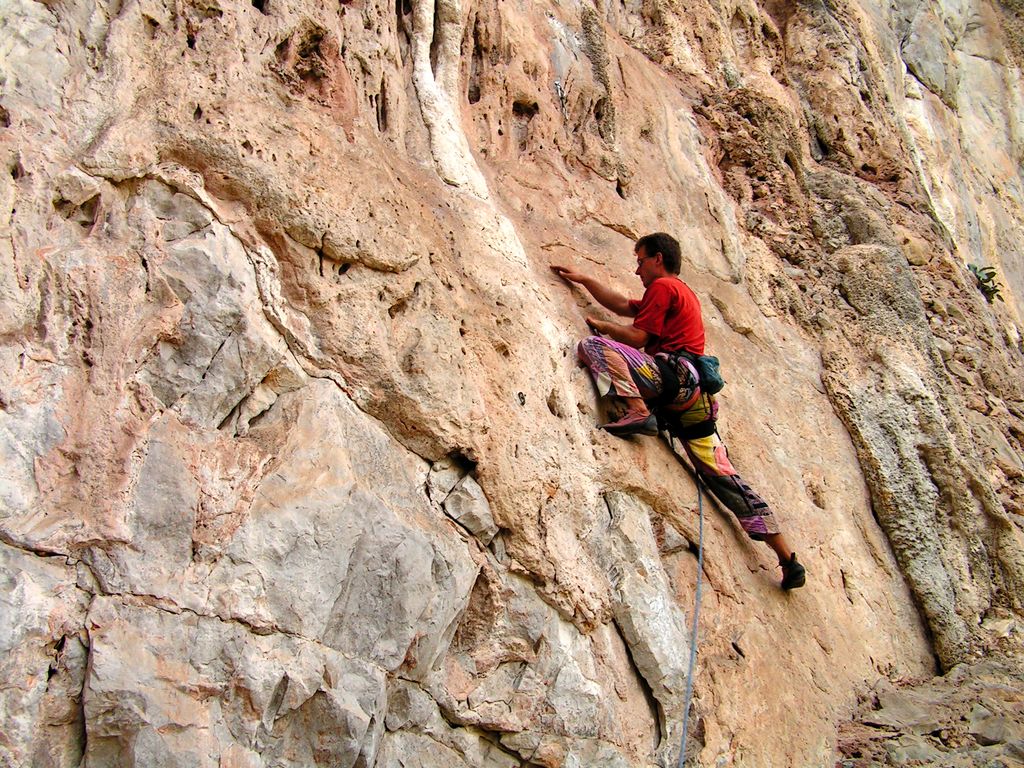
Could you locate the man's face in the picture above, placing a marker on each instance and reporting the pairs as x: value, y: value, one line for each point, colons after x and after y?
x: 647, y: 266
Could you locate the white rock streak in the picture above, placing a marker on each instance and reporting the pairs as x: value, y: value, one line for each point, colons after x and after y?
x: 437, y: 87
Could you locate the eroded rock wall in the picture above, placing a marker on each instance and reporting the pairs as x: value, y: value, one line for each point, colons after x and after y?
x: 298, y: 467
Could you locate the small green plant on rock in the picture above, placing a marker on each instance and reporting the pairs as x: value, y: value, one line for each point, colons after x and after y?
x: 986, y: 279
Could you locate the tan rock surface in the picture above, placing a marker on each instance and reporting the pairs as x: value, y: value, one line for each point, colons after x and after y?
x: 296, y: 464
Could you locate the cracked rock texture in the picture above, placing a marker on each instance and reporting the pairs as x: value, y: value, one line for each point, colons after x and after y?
x: 972, y: 716
x: 296, y: 464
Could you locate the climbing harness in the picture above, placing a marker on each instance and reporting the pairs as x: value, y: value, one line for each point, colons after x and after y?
x: 693, y: 631
x: 705, y: 367
x: 668, y: 421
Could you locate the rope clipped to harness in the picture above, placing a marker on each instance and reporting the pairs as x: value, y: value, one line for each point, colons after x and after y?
x: 707, y: 373
x: 693, y: 631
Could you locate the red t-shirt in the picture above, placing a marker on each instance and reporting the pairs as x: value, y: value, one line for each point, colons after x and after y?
x: 670, y: 312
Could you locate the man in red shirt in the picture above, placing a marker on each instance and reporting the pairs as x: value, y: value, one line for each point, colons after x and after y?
x: 667, y: 320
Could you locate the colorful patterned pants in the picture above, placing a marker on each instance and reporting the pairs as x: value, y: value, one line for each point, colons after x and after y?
x: 620, y: 370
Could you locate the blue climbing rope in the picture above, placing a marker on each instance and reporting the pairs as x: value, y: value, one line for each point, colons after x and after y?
x: 696, y: 616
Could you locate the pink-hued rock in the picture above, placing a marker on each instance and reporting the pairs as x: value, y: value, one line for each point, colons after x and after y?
x: 297, y: 465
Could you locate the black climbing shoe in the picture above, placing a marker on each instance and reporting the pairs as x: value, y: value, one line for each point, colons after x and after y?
x: 793, y: 574
x: 631, y: 424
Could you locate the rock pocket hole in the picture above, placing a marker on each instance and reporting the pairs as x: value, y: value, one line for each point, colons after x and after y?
x: 403, y: 303
x: 152, y: 27
x: 820, y: 147
x: 399, y: 306
x: 337, y: 268
x: 208, y: 10
x: 380, y: 107
x: 403, y: 8
x: 604, y: 114
x: 281, y: 51
x: 382, y: 112
x: 304, y: 56
x: 525, y: 109
x: 263, y: 6
x: 736, y: 647
x: 522, y: 113
x: 198, y: 114
x: 553, y: 406
x: 874, y: 514
x: 476, y: 65
x: 310, y: 45
x: 5, y: 117
x: 463, y: 459
x: 57, y: 651
x: 846, y: 587
x: 310, y: 62
x: 83, y: 215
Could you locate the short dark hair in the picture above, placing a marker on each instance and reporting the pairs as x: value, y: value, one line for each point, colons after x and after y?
x: 666, y: 245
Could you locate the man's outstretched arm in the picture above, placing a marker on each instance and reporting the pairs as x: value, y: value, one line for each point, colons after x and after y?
x: 603, y: 295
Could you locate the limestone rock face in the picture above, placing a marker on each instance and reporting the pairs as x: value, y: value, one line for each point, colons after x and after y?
x: 297, y: 466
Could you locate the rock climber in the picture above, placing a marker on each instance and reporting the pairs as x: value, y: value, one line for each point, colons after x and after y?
x: 628, y: 362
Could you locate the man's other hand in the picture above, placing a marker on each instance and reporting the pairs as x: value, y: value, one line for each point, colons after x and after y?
x: 568, y: 273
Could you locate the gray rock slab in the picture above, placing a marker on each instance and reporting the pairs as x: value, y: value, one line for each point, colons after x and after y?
x: 444, y: 475
x: 910, y: 749
x: 182, y: 689
x: 468, y: 506
x: 42, y: 659
x: 341, y: 543
x: 224, y: 345
x: 417, y: 734
x: 989, y: 728
x: 906, y: 710
x: 930, y: 57
x: 651, y: 621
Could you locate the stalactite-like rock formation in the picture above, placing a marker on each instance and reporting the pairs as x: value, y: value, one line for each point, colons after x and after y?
x: 296, y: 464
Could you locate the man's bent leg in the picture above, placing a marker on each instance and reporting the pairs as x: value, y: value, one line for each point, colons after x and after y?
x: 619, y: 370
x: 622, y: 371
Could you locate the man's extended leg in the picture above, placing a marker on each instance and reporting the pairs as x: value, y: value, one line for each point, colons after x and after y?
x: 710, y: 459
